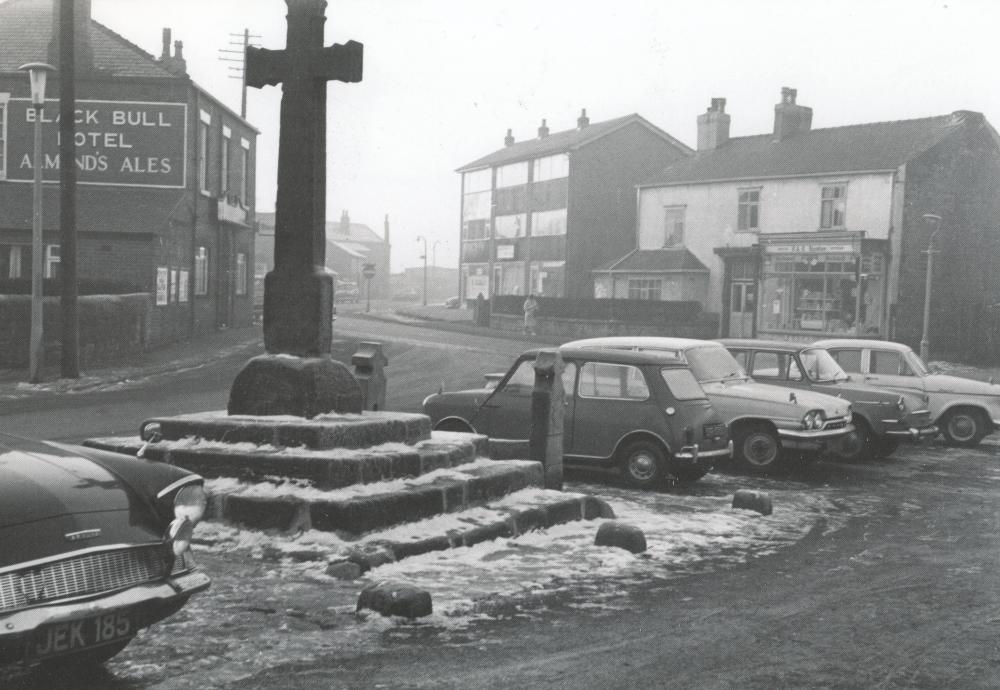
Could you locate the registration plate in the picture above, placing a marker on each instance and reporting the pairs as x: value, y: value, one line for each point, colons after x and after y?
x: 78, y: 635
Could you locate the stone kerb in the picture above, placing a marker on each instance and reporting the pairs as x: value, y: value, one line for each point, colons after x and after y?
x: 321, y: 432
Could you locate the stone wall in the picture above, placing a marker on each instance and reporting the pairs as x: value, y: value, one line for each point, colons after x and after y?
x: 705, y: 326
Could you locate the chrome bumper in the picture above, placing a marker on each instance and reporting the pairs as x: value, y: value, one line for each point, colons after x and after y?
x: 913, y: 433
x: 174, y: 590
x: 693, y: 453
x: 813, y: 434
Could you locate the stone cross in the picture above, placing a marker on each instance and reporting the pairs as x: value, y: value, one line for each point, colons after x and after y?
x: 298, y: 293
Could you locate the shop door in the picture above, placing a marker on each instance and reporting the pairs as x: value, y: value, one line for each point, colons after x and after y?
x: 742, y: 303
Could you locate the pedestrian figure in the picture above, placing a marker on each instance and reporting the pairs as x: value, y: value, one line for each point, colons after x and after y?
x: 530, y: 307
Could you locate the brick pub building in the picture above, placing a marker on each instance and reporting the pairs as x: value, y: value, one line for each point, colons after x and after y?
x: 165, y: 196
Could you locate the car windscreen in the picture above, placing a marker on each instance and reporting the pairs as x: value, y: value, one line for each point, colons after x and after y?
x: 682, y: 384
x: 819, y: 365
x: 917, y: 364
x: 714, y: 364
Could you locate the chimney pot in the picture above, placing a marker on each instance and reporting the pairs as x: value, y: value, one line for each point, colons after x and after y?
x: 713, y: 125
x: 789, y: 117
x: 543, y: 131
x: 583, y: 120
x: 509, y: 139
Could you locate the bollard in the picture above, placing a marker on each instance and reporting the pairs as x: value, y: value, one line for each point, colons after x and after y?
x: 547, y: 413
x: 622, y: 535
x: 369, y: 369
x: 758, y: 501
x: 395, y: 599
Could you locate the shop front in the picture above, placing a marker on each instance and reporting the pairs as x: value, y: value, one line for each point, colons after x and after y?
x: 821, y: 286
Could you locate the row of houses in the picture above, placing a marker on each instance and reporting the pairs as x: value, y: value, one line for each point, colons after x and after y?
x: 796, y: 233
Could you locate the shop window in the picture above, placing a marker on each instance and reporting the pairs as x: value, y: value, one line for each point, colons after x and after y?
x: 545, y: 223
x: 241, y: 273
x: 550, y: 167
x: 201, y: 271
x: 510, y: 226
x: 833, y: 206
x: 673, y: 226
x: 475, y: 280
x: 643, y: 288
x: 3, y: 135
x: 748, y: 219
x: 509, y: 278
x: 512, y: 175
x: 548, y: 278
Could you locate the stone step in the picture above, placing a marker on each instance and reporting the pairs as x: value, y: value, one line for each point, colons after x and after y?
x: 321, y: 432
x: 360, y: 509
x: 323, y: 469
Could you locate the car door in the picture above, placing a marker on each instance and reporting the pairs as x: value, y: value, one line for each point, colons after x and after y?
x: 569, y: 400
x: 776, y: 368
x: 889, y: 369
x: 507, y: 412
x: 611, y: 400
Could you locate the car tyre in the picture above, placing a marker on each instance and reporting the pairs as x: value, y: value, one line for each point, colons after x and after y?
x: 885, y: 446
x: 758, y: 449
x: 453, y: 424
x: 688, y: 475
x: 964, y: 427
x: 858, y: 446
x: 642, y: 464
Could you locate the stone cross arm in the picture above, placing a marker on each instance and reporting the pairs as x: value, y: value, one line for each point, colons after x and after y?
x: 339, y: 62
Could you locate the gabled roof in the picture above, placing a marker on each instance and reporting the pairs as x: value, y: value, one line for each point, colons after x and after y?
x: 26, y: 29
x: 567, y: 140
x: 876, y: 146
x: 655, y: 261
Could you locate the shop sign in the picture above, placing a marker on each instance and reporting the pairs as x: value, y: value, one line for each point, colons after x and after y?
x: 811, y: 248
x: 126, y: 143
x: 505, y: 251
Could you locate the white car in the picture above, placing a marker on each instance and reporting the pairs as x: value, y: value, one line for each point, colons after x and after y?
x: 762, y: 418
x: 965, y: 410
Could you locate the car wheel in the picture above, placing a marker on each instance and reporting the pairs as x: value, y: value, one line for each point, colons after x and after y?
x: 642, y: 464
x: 963, y: 427
x: 857, y: 446
x: 687, y: 475
x: 453, y: 424
x: 758, y: 449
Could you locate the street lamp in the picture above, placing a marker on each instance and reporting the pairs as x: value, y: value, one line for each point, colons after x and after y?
x: 935, y: 220
x: 424, y: 257
x: 37, y: 73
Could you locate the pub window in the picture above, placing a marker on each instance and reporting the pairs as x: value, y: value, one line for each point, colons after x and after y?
x: 3, y: 135
x: 244, y: 171
x: 833, y: 206
x: 51, y: 261
x: 10, y: 260
x: 241, y: 273
x: 182, y: 285
x: 227, y: 135
x: 673, y: 226
x: 645, y: 289
x: 748, y: 219
x: 201, y: 271
x: 204, y: 126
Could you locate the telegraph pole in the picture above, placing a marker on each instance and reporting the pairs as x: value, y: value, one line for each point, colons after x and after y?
x: 239, y: 72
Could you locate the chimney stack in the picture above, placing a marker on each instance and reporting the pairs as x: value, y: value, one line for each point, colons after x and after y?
x: 165, y: 51
x: 345, y: 222
x: 180, y: 64
x: 543, y: 131
x: 789, y: 117
x: 509, y: 139
x: 175, y: 63
x: 84, y: 53
x: 713, y: 126
x: 386, y: 237
x: 583, y: 120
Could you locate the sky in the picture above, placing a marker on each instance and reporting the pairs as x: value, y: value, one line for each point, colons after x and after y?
x: 445, y: 79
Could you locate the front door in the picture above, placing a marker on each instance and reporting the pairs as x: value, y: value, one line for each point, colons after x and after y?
x: 742, y: 303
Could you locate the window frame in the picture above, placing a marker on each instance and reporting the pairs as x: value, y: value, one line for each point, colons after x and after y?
x: 204, y: 134
x: 227, y: 139
x: 830, y: 223
x: 201, y: 272
x: 241, y: 273
x: 668, y: 211
x: 630, y: 368
x: 4, y: 108
x: 752, y: 207
x: 244, y: 172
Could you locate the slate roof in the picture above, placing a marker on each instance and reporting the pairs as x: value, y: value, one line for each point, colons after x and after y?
x: 559, y: 142
x: 26, y: 29
x: 853, y: 148
x: 655, y: 261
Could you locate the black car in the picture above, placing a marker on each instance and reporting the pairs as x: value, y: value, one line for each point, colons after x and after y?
x: 94, y: 546
x: 641, y: 412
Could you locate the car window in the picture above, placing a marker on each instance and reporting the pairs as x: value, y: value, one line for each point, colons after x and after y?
x: 523, y: 379
x: 849, y: 360
x: 740, y: 356
x: 619, y: 381
x: 889, y: 362
x: 569, y: 378
x: 682, y: 384
x: 767, y: 365
x: 794, y: 374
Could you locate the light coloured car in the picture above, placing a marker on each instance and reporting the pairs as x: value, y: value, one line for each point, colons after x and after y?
x: 965, y: 410
x: 763, y: 419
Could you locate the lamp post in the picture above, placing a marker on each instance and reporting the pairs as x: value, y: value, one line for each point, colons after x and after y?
x: 37, y: 73
x: 931, y: 218
x: 424, y: 257
x: 368, y: 271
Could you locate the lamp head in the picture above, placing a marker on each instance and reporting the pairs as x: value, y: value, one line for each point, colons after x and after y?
x: 37, y: 73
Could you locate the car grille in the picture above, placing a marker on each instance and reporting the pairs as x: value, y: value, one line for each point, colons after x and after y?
x: 835, y: 424
x: 713, y: 430
x: 90, y: 573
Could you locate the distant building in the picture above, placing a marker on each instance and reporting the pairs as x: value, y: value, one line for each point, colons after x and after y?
x: 165, y: 202
x: 349, y: 246
x: 821, y: 232
x: 441, y: 283
x: 540, y: 215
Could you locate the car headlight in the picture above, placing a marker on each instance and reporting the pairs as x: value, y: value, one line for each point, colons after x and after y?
x: 189, y: 509
x: 901, y: 404
x: 813, y: 419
